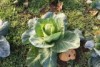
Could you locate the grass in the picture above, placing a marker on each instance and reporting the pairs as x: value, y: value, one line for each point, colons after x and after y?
x: 74, y: 10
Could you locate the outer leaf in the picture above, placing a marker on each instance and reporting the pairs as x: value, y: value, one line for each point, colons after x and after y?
x: 48, y: 58
x: 61, y: 17
x: 32, y: 22
x: 31, y: 62
x: 70, y: 41
x: 47, y: 15
x: 60, y: 25
x: 35, y: 62
x: 26, y: 35
x: 4, y: 47
x: 79, y: 32
x: 39, y: 42
x: 4, y: 28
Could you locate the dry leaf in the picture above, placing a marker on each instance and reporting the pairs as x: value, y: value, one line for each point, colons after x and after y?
x: 93, y: 12
x: 69, y: 55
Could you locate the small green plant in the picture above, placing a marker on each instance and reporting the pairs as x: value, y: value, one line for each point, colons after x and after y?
x: 50, y: 37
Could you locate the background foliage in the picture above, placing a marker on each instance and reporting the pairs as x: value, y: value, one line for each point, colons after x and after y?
x: 74, y: 10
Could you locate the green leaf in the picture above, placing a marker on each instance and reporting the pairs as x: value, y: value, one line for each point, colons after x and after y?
x: 49, y: 29
x: 70, y: 41
x: 48, y: 58
x: 38, y: 30
x: 60, y: 18
x: 53, y: 37
x: 31, y: 62
x: 39, y: 42
x: 48, y: 26
x: 44, y: 23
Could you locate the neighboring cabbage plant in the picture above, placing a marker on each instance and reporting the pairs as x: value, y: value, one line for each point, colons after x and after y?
x: 4, y: 44
x: 50, y: 37
x: 95, y: 56
x: 96, y: 4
